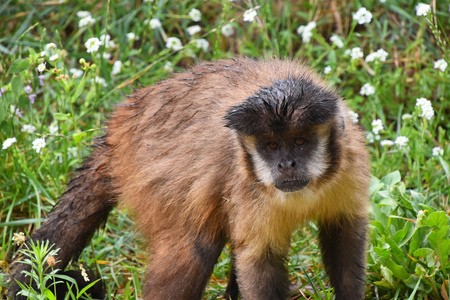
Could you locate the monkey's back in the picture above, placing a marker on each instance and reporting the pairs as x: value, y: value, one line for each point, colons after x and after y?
x: 170, y: 151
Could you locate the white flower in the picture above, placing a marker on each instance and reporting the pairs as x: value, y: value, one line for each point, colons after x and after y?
x: 202, y: 44
x: 28, y: 128
x: 116, y: 67
x: 380, y: 55
x: 356, y: 53
x: 382, y: 1
x: 148, y: 1
x: 8, y: 142
x: 43, y: 53
x: 437, y: 151
x: 105, y: 40
x: 406, y: 117
x: 335, y: 39
x: 41, y: 67
x: 53, y: 128
x: 362, y: 16
x: 86, y: 21
x: 367, y: 90
x: 38, y: 144
x: 168, y: 66
x: 371, y: 138
x: 50, y: 46
x: 174, y: 43
x: 100, y: 80
x: 131, y: 36
x: 54, y: 57
x: 426, y: 108
x: 227, y: 30
x: 440, y: 64
x: 249, y: 15
x: 422, y: 9
x: 327, y: 70
x: 193, y: 29
x: 306, y: 31
x: 105, y: 55
x: 188, y: 52
x: 195, y: 15
x: 353, y: 116
x: 83, y: 14
x: 154, y: 23
x: 92, y: 45
x: 377, y: 126
x: 386, y: 143
x: 76, y: 72
x: 402, y: 142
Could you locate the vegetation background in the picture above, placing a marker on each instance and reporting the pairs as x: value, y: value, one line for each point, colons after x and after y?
x: 65, y: 64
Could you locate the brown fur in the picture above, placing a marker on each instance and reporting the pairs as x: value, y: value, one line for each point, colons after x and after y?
x: 191, y: 185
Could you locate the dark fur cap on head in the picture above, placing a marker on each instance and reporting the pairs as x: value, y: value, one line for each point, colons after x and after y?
x: 291, y: 102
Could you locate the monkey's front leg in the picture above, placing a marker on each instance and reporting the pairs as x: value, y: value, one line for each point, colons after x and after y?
x: 263, y: 277
x: 343, y: 243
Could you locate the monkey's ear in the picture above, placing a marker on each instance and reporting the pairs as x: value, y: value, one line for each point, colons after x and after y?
x: 244, y: 118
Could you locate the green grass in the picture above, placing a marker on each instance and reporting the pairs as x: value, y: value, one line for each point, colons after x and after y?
x: 409, y: 244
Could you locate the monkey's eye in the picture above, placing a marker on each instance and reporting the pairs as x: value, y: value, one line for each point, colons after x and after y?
x: 300, y: 142
x: 272, y: 145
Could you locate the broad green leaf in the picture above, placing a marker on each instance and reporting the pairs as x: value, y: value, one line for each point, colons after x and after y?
x: 396, y: 252
x: 401, y: 237
x: 19, y: 65
x: 17, y: 85
x: 397, y: 270
x: 78, y: 136
x: 392, y: 178
x: 427, y: 254
x: 387, y: 275
x: 438, y: 219
x: 418, y: 238
x: 415, y: 281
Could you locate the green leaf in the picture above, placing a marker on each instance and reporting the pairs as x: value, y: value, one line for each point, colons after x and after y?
x: 401, y: 237
x: 439, y: 237
x: 78, y: 136
x: 418, y: 238
x: 17, y: 85
x: 87, y: 287
x: 416, y: 282
x: 49, y: 294
x: 438, y: 219
x: 392, y: 178
x: 79, y: 90
x: 397, y: 270
x: 61, y: 117
x: 387, y: 275
x: 19, y: 65
x: 396, y: 252
x: 427, y: 254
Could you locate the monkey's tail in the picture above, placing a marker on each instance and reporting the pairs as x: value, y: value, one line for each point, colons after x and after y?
x: 82, y: 209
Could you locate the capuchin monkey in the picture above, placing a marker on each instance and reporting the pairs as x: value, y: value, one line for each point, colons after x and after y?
x: 234, y: 151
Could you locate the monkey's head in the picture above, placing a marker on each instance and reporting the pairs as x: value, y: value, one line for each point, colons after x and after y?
x: 290, y: 131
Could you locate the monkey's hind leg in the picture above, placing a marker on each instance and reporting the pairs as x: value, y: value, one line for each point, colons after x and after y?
x: 343, y: 244
x: 181, y: 265
x: 83, y: 208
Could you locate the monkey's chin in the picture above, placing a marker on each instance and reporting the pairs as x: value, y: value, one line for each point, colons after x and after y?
x: 290, y: 186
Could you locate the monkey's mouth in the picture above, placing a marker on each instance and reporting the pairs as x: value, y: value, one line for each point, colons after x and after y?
x: 292, y: 185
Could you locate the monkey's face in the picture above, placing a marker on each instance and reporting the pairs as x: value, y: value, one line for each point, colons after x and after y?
x: 289, y: 161
x: 286, y: 129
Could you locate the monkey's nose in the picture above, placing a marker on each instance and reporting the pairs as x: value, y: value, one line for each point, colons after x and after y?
x: 286, y: 165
